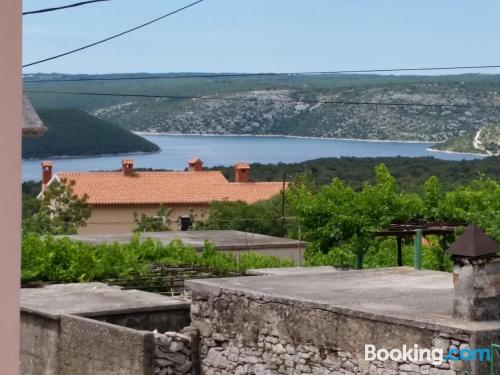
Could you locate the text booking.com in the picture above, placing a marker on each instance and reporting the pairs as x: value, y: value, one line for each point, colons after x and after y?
x: 434, y: 356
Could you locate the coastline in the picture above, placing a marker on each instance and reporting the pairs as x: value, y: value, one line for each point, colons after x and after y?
x: 93, y: 156
x: 457, y: 152
x: 278, y: 136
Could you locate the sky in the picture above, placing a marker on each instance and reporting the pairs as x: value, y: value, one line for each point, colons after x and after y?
x: 264, y: 35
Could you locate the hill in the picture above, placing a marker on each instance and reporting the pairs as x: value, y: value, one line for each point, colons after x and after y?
x: 485, y: 141
x: 73, y: 132
x: 260, y: 105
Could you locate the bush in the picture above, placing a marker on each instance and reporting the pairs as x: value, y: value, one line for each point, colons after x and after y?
x: 60, y: 260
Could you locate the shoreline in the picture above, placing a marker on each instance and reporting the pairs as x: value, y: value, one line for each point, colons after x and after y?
x: 430, y: 149
x: 93, y: 156
x: 278, y: 136
x: 457, y: 152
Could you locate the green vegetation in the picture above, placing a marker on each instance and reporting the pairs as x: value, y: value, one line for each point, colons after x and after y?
x: 250, y: 116
x: 157, y: 223
x: 486, y: 141
x: 61, y: 260
x: 59, y: 211
x: 73, y: 132
x: 340, y: 222
x: 464, y: 143
x: 410, y: 173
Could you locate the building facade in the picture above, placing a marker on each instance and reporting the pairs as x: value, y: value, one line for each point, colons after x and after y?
x: 117, y: 197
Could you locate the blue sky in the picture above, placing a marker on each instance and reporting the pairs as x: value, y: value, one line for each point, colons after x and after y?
x: 264, y: 35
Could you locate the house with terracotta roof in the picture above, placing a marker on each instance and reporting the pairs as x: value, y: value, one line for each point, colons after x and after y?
x: 116, y: 196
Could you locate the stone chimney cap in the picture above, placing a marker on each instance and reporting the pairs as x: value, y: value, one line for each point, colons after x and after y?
x: 474, y: 243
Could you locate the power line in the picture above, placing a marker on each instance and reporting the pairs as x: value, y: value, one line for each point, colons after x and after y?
x: 254, y: 100
x: 238, y: 75
x: 114, y: 36
x: 63, y: 7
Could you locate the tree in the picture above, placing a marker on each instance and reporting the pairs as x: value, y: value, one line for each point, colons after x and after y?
x: 432, y: 196
x: 158, y: 223
x: 61, y: 211
x: 337, y: 217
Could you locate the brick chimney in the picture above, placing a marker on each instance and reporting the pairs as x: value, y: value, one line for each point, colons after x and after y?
x: 46, y: 173
x: 195, y: 165
x: 476, y: 276
x: 128, y: 167
x: 242, y: 172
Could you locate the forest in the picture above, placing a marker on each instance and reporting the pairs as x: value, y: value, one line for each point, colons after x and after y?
x: 72, y: 132
x: 410, y: 173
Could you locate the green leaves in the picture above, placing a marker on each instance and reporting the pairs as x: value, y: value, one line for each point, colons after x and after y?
x: 62, y: 260
x: 60, y: 211
x: 337, y: 220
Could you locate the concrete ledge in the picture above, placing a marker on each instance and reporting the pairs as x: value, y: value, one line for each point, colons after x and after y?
x: 421, y: 299
x: 95, y: 299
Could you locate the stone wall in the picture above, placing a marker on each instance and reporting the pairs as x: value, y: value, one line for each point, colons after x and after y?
x: 176, y: 352
x: 244, y: 335
x: 114, y: 345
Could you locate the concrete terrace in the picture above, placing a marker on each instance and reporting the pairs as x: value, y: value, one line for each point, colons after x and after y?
x: 222, y: 239
x: 398, y: 295
x: 94, y: 299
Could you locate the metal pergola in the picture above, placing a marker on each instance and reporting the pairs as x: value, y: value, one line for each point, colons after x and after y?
x: 409, y: 230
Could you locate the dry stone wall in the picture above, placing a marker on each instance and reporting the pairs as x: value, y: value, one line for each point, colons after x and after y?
x: 176, y: 352
x: 242, y: 335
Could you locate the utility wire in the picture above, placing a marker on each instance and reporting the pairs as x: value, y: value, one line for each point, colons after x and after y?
x: 114, y: 36
x: 237, y: 75
x: 254, y: 100
x: 63, y: 7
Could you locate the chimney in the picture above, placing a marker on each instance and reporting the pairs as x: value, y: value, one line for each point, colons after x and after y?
x: 195, y: 165
x: 46, y: 173
x: 128, y: 167
x: 242, y: 172
x: 476, y: 276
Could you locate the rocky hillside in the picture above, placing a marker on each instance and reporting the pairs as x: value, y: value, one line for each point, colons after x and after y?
x: 272, y: 105
x: 485, y: 141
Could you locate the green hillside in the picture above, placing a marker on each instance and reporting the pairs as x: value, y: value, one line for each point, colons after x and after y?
x: 72, y: 132
x: 260, y: 105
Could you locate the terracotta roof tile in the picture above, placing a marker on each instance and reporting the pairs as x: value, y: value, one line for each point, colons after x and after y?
x: 114, y: 188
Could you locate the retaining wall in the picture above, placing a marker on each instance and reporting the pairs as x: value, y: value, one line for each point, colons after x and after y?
x: 245, y: 334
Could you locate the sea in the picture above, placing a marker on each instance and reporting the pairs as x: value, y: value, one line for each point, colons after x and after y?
x: 176, y: 150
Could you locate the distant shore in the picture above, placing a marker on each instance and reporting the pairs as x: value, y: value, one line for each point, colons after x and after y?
x: 430, y: 149
x: 456, y: 152
x: 278, y: 136
x: 92, y: 156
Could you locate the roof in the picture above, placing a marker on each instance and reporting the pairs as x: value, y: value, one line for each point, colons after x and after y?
x: 94, y: 299
x: 474, y: 243
x: 203, y: 187
x: 222, y: 239
x: 32, y: 124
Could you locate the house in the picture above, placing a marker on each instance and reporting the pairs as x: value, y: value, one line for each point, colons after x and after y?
x: 116, y: 196
x: 32, y: 124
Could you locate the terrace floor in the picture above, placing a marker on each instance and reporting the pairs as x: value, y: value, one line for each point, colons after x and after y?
x: 405, y: 295
x: 95, y: 299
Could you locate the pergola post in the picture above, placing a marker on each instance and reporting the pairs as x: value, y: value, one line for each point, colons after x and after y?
x: 10, y: 187
x: 400, y: 251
